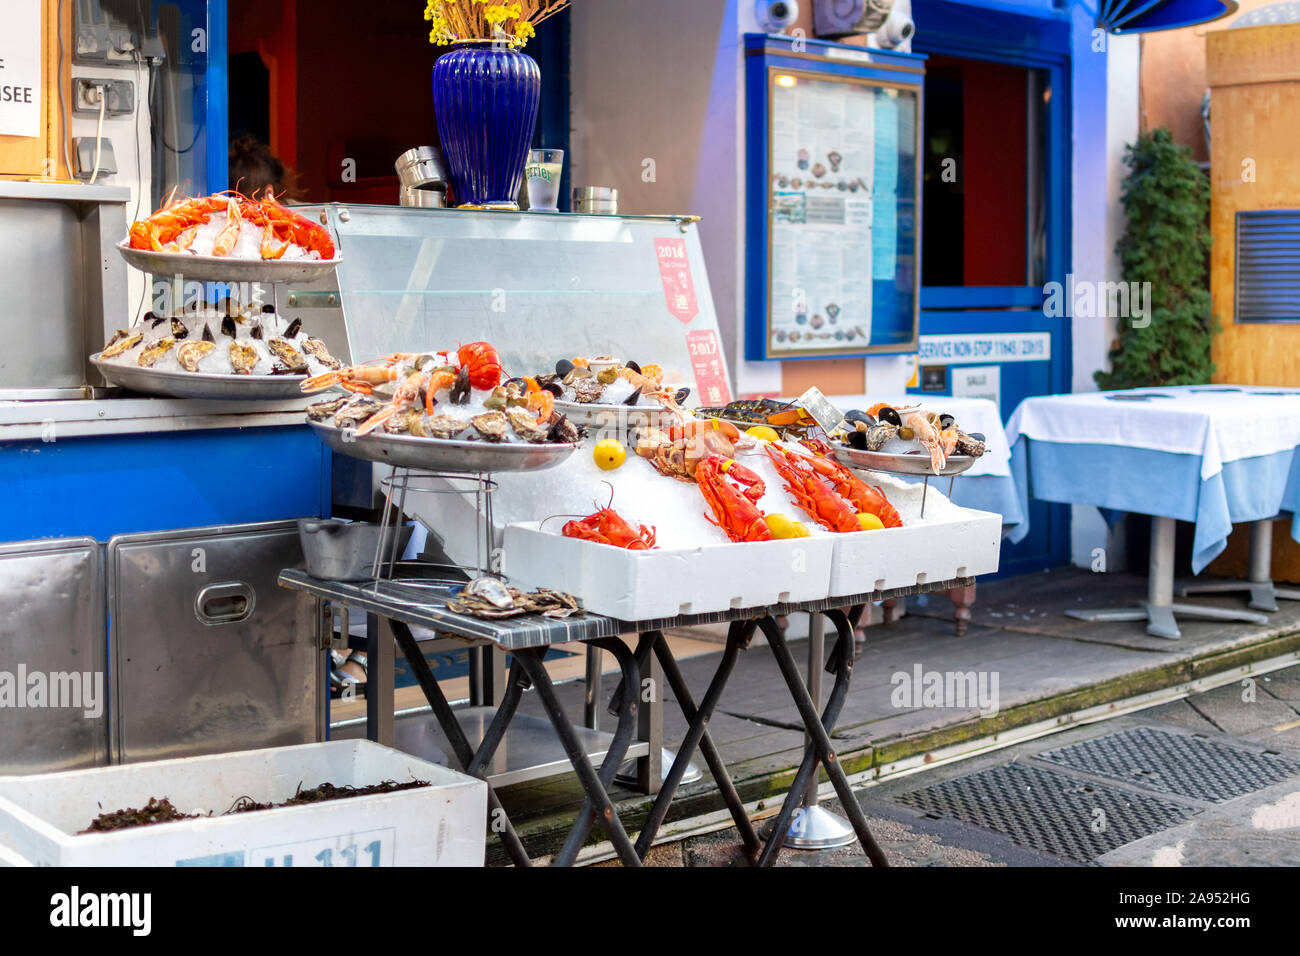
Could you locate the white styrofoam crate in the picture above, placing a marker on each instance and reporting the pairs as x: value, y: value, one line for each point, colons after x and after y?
x: 439, y: 825
x: 965, y: 543
x: 648, y: 585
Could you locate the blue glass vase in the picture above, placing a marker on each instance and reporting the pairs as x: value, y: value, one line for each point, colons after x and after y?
x: 485, y: 98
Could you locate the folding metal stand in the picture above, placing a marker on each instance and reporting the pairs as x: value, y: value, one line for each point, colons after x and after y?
x: 1159, y: 608
x: 527, y: 667
x: 818, y: 751
x: 1259, y: 580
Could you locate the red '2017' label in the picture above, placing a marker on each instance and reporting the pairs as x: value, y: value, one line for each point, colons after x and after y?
x: 675, y: 271
x: 710, y: 374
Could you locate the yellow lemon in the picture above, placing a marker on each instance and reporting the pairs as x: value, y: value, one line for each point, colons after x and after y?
x: 609, y: 453
x: 763, y: 432
x: 783, y: 527
x: 869, y: 522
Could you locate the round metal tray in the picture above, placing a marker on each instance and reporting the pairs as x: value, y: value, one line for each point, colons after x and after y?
x: 917, y: 463
x: 200, y: 384
x: 435, y: 454
x: 226, y: 268
x: 617, y: 416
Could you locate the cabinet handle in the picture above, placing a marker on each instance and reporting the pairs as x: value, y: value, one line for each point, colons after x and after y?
x: 227, y: 603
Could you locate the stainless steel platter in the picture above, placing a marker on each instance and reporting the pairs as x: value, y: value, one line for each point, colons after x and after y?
x: 616, y: 416
x: 917, y: 463
x: 199, y: 384
x: 434, y: 454
x: 225, y: 268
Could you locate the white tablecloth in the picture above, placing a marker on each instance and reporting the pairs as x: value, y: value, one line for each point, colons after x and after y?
x: 1216, y: 423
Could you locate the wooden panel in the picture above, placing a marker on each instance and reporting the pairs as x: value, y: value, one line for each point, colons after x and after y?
x: 1255, y: 164
x: 847, y: 376
x: 1235, y: 560
x: 22, y: 157
x: 1253, y: 55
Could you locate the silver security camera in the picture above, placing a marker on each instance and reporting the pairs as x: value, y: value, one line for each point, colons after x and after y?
x: 775, y: 15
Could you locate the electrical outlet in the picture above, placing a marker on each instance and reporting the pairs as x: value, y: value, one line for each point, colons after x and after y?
x: 119, y: 96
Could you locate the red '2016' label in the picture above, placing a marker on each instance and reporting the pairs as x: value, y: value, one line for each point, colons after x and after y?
x: 675, y: 271
x: 706, y: 359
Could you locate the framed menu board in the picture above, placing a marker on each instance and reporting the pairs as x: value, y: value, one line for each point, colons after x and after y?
x: 833, y: 228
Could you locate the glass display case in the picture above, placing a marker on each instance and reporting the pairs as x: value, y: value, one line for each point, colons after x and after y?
x: 539, y: 286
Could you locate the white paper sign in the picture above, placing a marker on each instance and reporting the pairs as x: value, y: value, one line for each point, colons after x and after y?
x: 977, y: 381
x: 20, y: 68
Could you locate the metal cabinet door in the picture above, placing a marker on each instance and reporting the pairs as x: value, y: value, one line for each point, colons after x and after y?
x: 53, y: 686
x: 210, y: 655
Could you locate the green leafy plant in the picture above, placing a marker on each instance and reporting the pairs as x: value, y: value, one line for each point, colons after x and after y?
x: 1166, y: 243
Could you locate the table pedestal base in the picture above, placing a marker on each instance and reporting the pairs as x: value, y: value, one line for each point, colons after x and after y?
x: 1160, y: 617
x: 816, y: 828
x: 1263, y: 593
x: 1158, y: 609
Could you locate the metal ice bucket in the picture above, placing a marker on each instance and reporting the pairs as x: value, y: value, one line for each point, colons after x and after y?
x: 345, y: 551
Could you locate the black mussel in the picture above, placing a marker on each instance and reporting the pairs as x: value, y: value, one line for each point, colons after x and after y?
x: 515, y: 381
x: 555, y: 388
x: 268, y: 308
x: 460, y: 389
x: 563, y: 367
x: 978, y: 437
x: 255, y: 331
x: 207, y: 333
x: 158, y: 320
x: 857, y: 415
x: 633, y: 398
x: 682, y: 395
x: 858, y: 440
x: 890, y: 415
x: 946, y: 421
x: 150, y: 317
x: 228, y: 326
x: 634, y: 367
x: 179, y: 331
x: 293, y: 328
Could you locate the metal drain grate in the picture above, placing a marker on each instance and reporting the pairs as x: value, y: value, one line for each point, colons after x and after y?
x: 1048, y: 810
x: 1175, y: 763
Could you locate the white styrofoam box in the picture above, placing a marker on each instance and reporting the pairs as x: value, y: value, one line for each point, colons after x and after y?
x: 648, y: 585
x: 439, y: 825
x: 962, y: 543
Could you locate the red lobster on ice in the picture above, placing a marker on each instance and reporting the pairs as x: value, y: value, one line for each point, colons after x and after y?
x: 811, y: 493
x: 866, y: 498
x: 735, y: 511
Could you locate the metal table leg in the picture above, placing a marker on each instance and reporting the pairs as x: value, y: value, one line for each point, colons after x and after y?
x: 647, y: 774
x: 381, y: 671
x: 814, y: 827
x: 818, y: 728
x: 1259, y: 579
x: 497, y: 820
x: 717, y: 766
x: 738, y: 636
x: 1159, y: 608
x: 531, y: 661
x: 627, y: 708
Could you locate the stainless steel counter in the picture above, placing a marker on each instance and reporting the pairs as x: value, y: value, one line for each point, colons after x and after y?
x: 52, y: 420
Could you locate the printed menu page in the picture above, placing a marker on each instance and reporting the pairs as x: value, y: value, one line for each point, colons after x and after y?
x: 824, y: 166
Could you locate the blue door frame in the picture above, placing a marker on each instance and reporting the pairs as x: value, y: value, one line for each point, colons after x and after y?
x: 1037, y: 42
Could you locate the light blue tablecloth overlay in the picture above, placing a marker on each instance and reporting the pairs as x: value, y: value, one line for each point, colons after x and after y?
x: 1122, y: 479
x: 996, y: 493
